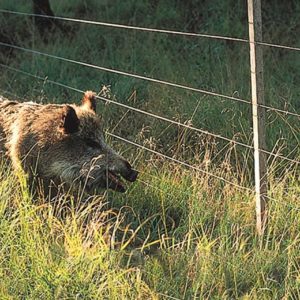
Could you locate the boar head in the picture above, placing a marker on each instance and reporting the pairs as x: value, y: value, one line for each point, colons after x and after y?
x: 79, y: 152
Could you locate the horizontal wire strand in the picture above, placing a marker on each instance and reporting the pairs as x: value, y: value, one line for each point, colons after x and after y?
x: 142, y: 181
x: 277, y: 46
x: 121, y: 26
x: 287, y: 112
x: 151, y: 115
x: 149, y: 79
x: 127, y: 74
x: 155, y: 30
x: 155, y: 80
x: 280, y: 156
x: 137, y: 110
x: 178, y: 161
x: 160, y: 154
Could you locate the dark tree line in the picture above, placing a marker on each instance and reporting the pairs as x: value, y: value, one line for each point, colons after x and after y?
x: 46, y: 25
x: 42, y: 7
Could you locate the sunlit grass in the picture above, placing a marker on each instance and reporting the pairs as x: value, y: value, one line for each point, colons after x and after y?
x: 173, y: 233
x: 176, y: 233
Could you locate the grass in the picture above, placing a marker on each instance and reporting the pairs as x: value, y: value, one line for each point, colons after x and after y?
x: 196, y: 239
x: 176, y: 233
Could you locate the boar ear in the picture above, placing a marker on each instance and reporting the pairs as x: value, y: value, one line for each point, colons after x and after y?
x: 89, y: 100
x: 69, y: 120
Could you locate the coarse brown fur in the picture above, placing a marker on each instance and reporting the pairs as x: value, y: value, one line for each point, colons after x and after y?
x: 61, y: 144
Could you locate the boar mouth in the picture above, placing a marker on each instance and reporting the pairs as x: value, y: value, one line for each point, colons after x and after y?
x: 115, y: 181
x: 111, y: 177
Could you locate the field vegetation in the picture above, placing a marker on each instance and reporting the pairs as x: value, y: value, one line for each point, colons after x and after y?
x: 177, y: 233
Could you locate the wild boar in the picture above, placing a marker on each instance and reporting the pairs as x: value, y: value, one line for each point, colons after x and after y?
x: 62, y: 144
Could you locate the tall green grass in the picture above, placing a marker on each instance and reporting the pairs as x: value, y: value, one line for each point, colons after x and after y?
x: 207, y: 64
x: 176, y: 233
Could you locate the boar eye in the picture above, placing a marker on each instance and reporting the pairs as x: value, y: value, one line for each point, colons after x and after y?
x: 93, y: 144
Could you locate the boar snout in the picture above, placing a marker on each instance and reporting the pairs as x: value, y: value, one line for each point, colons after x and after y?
x: 115, y: 182
x: 132, y: 176
x: 99, y: 174
x: 121, y: 170
x: 129, y: 173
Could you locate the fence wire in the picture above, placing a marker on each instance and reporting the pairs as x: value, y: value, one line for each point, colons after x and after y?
x: 147, y: 29
x: 150, y: 185
x: 106, y: 100
x: 160, y: 155
x: 158, y: 81
x: 148, y: 79
x: 121, y: 26
x: 173, y: 159
x: 136, y: 109
x: 126, y: 73
x: 179, y: 162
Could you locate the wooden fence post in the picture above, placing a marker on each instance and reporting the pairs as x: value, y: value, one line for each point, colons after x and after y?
x: 258, y: 113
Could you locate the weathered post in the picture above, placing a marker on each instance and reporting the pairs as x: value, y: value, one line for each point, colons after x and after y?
x: 258, y: 112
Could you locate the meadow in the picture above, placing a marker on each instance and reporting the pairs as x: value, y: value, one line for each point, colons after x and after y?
x: 177, y: 233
